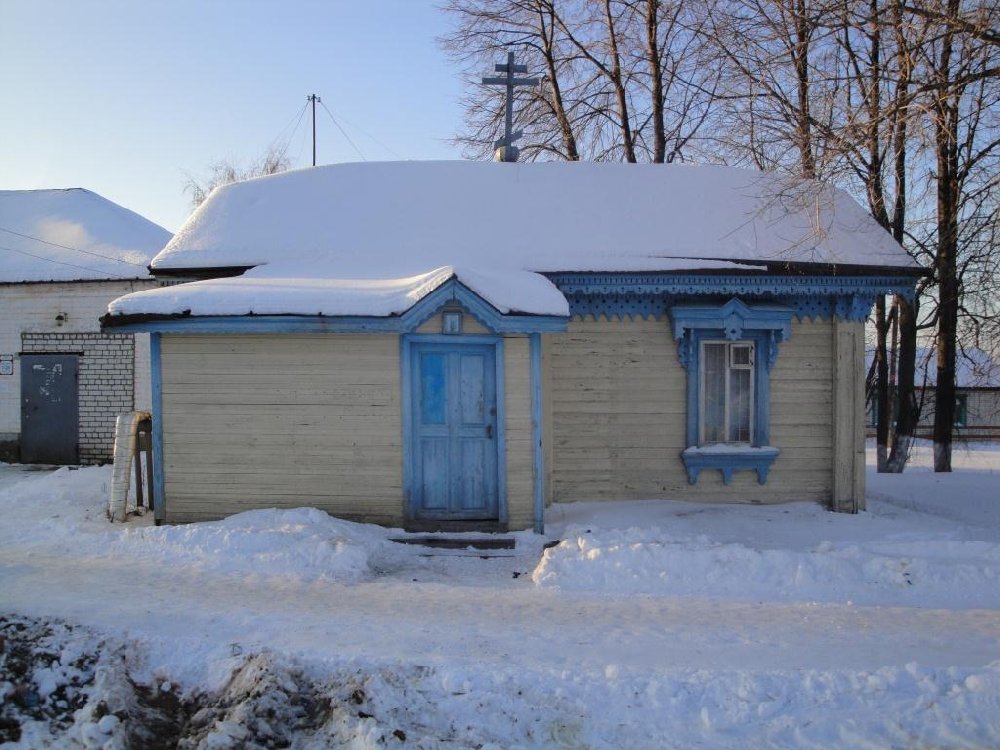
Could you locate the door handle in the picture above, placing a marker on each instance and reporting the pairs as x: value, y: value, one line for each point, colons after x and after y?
x: 489, y: 432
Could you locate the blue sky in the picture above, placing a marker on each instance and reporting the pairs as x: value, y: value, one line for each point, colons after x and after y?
x: 126, y: 98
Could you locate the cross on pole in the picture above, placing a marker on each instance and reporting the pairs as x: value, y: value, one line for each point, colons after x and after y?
x: 505, y: 146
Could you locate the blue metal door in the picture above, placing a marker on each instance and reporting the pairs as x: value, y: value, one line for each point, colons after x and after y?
x: 49, y: 409
x: 454, y: 438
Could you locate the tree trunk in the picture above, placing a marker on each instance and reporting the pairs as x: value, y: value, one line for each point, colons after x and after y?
x: 800, y: 59
x: 881, y: 386
x: 624, y: 120
x: 946, y: 117
x: 908, y: 412
x: 547, y: 30
x: 656, y: 80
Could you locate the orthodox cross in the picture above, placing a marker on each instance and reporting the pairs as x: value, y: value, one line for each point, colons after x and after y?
x: 506, y: 151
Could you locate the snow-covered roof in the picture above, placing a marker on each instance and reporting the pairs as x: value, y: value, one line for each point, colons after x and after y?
x: 974, y: 368
x: 294, y: 291
x: 395, y: 221
x: 73, y: 235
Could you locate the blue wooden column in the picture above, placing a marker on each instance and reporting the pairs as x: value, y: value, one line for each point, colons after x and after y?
x: 535, y: 351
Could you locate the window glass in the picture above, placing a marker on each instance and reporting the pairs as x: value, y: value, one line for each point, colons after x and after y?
x: 961, y: 409
x: 726, y: 392
x: 714, y: 392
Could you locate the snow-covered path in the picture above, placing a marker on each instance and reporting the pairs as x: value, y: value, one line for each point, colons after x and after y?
x: 391, y: 621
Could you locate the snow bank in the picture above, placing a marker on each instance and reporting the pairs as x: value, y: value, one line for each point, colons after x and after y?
x: 270, y: 700
x: 305, y: 543
x: 650, y: 561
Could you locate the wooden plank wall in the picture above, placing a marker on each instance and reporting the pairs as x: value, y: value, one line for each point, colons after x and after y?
x: 282, y: 421
x: 520, y: 457
x: 617, y: 395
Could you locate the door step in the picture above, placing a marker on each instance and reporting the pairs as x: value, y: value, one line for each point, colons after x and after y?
x: 445, y: 542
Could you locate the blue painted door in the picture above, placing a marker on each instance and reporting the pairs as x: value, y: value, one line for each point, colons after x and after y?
x: 454, y: 439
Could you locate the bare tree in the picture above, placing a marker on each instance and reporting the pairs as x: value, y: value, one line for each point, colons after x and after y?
x: 225, y: 171
x: 622, y: 79
x: 962, y: 86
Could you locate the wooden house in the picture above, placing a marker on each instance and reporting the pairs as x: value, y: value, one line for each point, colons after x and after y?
x: 456, y: 345
x: 64, y: 255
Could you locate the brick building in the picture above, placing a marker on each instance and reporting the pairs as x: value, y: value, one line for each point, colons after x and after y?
x: 63, y: 255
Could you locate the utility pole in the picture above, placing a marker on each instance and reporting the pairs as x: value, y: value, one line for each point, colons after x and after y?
x: 313, y: 99
x: 506, y: 150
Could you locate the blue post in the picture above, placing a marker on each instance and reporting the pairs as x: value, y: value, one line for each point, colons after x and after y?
x: 156, y: 386
x: 536, y: 432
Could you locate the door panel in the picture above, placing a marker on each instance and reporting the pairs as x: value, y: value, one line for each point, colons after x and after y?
x: 49, y: 409
x: 454, y: 432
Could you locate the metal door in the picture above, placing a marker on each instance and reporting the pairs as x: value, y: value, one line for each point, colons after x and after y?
x: 49, y: 409
x: 454, y: 432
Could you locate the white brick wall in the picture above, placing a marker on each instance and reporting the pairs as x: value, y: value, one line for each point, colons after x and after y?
x: 27, y: 310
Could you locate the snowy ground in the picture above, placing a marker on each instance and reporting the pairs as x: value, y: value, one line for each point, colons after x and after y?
x: 650, y: 625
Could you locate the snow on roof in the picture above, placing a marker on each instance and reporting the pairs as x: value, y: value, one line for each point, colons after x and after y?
x: 71, y: 235
x: 262, y: 292
x: 401, y: 220
x: 974, y: 368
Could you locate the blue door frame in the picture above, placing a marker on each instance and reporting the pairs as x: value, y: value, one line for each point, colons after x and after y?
x: 453, y: 431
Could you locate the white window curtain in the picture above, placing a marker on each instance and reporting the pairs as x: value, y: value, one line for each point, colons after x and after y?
x: 726, y: 392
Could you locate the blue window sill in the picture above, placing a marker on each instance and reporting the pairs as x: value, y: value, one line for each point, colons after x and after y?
x: 727, y: 459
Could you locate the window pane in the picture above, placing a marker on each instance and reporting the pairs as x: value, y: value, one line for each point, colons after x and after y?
x: 740, y: 354
x: 432, y: 388
x: 714, y: 416
x: 739, y: 406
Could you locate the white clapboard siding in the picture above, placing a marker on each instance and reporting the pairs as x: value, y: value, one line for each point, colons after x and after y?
x: 520, y: 457
x: 282, y: 421
x: 617, y: 395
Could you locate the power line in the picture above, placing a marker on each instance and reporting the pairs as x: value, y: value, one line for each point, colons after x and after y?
x: 342, y: 131
x: 281, y: 139
x: 297, y: 118
x: 74, y: 249
x: 61, y: 262
x: 370, y: 137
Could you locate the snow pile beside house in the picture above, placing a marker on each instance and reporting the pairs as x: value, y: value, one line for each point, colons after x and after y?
x: 652, y: 561
x: 305, y: 543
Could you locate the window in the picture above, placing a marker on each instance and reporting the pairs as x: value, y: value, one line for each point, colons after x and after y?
x: 961, y: 409
x: 728, y: 351
x: 726, y: 392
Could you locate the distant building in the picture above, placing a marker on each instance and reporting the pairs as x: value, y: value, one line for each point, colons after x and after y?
x: 64, y: 254
x: 977, y: 395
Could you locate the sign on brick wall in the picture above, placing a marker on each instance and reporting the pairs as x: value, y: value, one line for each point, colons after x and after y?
x: 6, y: 364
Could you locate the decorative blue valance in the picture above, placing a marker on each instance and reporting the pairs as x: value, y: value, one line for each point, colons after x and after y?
x: 651, y: 295
x: 768, y: 325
